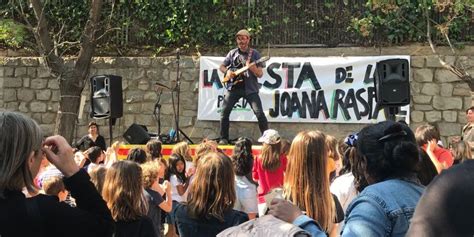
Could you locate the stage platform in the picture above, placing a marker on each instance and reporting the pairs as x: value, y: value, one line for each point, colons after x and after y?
x: 166, y: 149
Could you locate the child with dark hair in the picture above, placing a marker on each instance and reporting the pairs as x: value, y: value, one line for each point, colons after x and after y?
x: 137, y: 155
x: 285, y: 146
x: 387, y: 157
x: 426, y: 170
x: 95, y: 155
x: 183, y: 150
x: 176, y: 175
x: 427, y: 137
x: 153, y: 147
x: 246, y: 188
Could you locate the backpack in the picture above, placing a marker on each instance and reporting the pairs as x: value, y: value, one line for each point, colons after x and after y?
x: 265, y: 226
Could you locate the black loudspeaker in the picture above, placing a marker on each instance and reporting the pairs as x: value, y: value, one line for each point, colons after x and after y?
x: 392, y: 82
x: 106, y: 97
x: 137, y: 134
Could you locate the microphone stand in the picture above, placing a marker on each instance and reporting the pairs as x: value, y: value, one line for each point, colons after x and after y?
x: 156, y: 113
x: 178, y: 89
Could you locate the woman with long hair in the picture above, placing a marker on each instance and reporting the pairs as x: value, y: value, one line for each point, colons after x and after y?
x: 307, y: 179
x: 123, y: 192
x: 22, y: 150
x: 246, y: 188
x: 269, y: 168
x: 211, y: 199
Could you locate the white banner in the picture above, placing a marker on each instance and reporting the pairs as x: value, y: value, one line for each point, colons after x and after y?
x: 297, y: 89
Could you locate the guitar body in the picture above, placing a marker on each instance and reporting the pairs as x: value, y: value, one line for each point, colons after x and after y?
x: 230, y: 79
x: 233, y: 77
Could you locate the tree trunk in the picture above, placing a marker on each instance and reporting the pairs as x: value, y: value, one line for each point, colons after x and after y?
x: 71, y: 80
x: 71, y: 87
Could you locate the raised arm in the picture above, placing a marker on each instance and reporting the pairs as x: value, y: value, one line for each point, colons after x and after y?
x: 91, y: 209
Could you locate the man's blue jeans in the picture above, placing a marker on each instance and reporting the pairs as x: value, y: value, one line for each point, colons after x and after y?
x: 230, y: 99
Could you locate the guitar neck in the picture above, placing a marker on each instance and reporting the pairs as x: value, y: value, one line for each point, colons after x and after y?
x: 237, y: 72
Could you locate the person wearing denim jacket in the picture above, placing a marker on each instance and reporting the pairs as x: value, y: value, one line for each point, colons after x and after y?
x: 387, y: 159
x: 383, y: 209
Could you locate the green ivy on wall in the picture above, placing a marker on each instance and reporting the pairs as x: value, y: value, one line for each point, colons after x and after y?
x: 163, y: 25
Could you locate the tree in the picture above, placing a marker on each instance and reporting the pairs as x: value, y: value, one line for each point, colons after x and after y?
x: 457, y: 70
x: 422, y: 21
x: 71, y: 79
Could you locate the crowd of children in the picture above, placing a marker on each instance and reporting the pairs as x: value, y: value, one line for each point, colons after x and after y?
x: 368, y: 184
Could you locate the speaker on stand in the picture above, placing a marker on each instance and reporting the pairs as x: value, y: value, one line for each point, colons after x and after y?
x: 106, y: 99
x: 392, y: 85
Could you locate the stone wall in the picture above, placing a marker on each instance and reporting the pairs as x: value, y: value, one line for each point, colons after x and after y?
x: 27, y: 86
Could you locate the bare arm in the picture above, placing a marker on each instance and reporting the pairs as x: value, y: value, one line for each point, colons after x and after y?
x: 168, y: 203
x: 223, y: 68
x: 182, y: 188
x: 430, y: 151
x: 257, y: 71
x: 334, y: 230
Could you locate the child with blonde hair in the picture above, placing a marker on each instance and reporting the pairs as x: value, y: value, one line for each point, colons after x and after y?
x: 151, y: 173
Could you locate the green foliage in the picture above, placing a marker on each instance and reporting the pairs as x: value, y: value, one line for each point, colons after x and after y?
x: 12, y: 34
x: 160, y: 26
x: 405, y: 20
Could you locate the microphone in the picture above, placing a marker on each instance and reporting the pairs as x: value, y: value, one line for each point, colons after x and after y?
x: 178, y: 50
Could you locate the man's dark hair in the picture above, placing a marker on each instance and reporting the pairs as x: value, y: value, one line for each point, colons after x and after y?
x: 94, y: 153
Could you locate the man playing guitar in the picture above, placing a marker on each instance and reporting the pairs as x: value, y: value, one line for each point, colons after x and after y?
x: 244, y: 85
